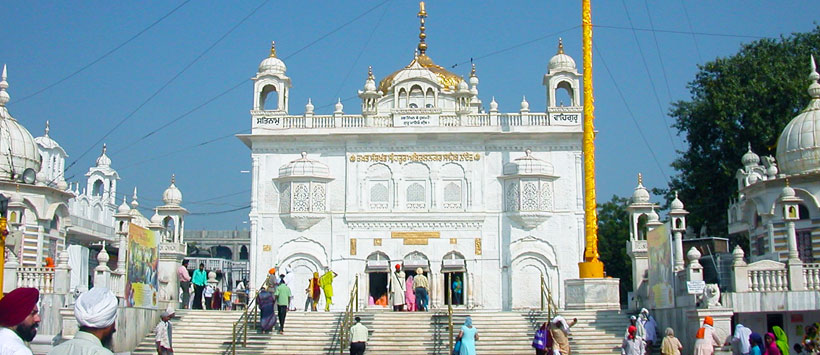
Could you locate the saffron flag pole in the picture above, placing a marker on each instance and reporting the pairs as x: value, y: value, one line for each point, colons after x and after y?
x: 591, y: 267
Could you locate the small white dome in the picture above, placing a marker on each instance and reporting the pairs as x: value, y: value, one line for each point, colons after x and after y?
x: 525, y: 106
x: 271, y: 64
x: 473, y: 77
x: 493, y: 105
x: 528, y: 165
x: 641, y: 194
x: 103, y: 160
x: 462, y: 86
x: 370, y: 83
x: 123, y: 207
x: 338, y: 108
x: 561, y: 61
x: 787, y: 192
x: 652, y: 216
x: 47, y: 142
x: 676, y: 204
x: 156, y: 218
x: 62, y: 185
x: 750, y: 158
x: 304, y: 167
x: 172, y: 196
x: 693, y: 254
x: 309, y: 106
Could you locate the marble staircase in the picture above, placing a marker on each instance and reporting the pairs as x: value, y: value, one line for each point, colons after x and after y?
x: 210, y: 332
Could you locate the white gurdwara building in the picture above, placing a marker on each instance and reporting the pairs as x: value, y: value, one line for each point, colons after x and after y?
x: 423, y: 177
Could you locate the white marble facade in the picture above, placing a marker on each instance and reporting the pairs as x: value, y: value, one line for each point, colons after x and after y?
x: 424, y: 176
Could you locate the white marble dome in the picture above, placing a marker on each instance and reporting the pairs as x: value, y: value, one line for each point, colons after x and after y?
x: 528, y: 165
x: 750, y: 158
x: 641, y: 194
x: 47, y: 142
x: 561, y: 61
x: 676, y: 204
x: 103, y: 160
x: 172, y: 196
x: 798, y: 148
x: 271, y: 64
x: 18, y: 150
x: 304, y: 167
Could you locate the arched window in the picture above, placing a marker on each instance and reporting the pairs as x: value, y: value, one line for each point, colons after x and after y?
x: 642, y: 229
x: 269, y: 98
x: 243, y: 253
x: 564, y: 94
x: 415, y: 195
x: 452, y: 195
x: 416, y: 96
x: 402, y: 98
x: 379, y: 196
x: 97, y: 189
x: 804, y: 212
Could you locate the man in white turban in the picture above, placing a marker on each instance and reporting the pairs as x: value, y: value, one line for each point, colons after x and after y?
x: 96, y: 313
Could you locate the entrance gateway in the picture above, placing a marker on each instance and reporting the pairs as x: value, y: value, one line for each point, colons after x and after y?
x: 427, y: 175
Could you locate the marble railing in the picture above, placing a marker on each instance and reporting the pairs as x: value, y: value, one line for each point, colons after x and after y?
x: 275, y: 120
x: 769, y: 280
x: 101, y: 229
x: 811, y: 274
x: 117, y: 284
x: 41, y: 278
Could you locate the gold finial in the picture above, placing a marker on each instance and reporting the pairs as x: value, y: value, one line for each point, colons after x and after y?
x: 560, y: 46
x: 787, y: 181
x: 421, y: 15
x: 640, y: 179
x: 370, y: 72
x: 273, y: 49
x: 173, y: 178
x: 472, y: 72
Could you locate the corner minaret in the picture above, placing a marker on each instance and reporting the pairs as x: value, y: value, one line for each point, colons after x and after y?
x: 270, y: 80
x: 102, y: 179
x: 562, y: 74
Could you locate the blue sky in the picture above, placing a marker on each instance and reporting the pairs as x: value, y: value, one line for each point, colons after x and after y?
x: 45, y: 41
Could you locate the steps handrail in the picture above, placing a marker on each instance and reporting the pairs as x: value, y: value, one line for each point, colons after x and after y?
x: 347, y: 319
x: 546, y: 294
x: 240, y: 327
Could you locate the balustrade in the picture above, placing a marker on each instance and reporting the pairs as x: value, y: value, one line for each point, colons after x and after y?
x: 445, y: 120
x: 811, y: 274
x: 41, y: 278
x: 768, y: 280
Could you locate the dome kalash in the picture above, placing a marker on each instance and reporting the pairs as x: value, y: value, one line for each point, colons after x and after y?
x: 422, y: 66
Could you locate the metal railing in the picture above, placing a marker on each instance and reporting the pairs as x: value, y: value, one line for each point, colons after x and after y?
x: 347, y: 319
x: 450, y: 319
x: 546, y: 297
x: 248, y: 318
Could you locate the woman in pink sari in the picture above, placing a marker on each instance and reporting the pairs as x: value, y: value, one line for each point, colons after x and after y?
x: 410, y: 295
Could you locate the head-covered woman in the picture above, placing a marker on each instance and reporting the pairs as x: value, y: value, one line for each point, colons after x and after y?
x: 741, y: 338
x: 631, y: 330
x: 468, y: 322
x: 781, y: 340
x: 756, y: 341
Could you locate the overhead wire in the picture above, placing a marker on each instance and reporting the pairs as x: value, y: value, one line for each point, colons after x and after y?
x: 364, y: 47
x: 200, y: 144
x: 631, y: 114
x: 243, y: 81
x: 649, y: 75
x: 714, y: 34
x: 658, y: 49
x: 521, y: 44
x: 692, y: 30
x: 103, y: 56
x: 167, y: 83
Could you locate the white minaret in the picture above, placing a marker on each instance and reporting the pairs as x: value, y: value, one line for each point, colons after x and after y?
x: 271, y: 79
x: 562, y: 74
x: 102, y: 179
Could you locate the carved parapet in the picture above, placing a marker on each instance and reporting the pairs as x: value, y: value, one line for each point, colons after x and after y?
x: 637, y: 248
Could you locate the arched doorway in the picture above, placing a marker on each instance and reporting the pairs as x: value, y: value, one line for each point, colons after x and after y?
x: 302, y: 269
x: 525, y: 284
x: 377, y: 269
x: 454, y: 268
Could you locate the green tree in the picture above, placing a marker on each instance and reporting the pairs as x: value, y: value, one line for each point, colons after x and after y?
x: 745, y: 98
x: 613, y: 229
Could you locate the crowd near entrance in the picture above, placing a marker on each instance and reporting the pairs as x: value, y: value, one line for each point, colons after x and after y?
x: 384, y: 288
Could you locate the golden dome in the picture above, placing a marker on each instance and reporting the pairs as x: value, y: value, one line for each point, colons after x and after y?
x: 446, y: 79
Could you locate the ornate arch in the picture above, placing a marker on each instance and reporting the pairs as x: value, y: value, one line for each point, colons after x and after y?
x: 303, y: 246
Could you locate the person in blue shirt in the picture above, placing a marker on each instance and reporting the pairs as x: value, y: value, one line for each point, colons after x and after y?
x: 199, y: 280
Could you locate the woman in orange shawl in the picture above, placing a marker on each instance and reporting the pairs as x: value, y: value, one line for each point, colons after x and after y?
x: 313, y: 292
x: 706, y: 339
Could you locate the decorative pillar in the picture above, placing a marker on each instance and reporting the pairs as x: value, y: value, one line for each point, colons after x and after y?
x: 102, y: 273
x: 791, y: 213
x: 678, y: 216
x: 694, y: 271
x: 62, y: 274
x: 10, y: 274
x: 740, y: 271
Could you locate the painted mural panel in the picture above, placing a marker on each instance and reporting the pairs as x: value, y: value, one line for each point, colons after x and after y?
x: 661, y: 276
x: 142, y: 260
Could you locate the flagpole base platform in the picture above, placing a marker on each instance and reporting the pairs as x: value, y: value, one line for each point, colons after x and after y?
x: 593, y: 294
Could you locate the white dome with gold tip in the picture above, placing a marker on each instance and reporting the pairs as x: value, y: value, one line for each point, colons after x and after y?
x: 18, y: 150
x: 798, y: 148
